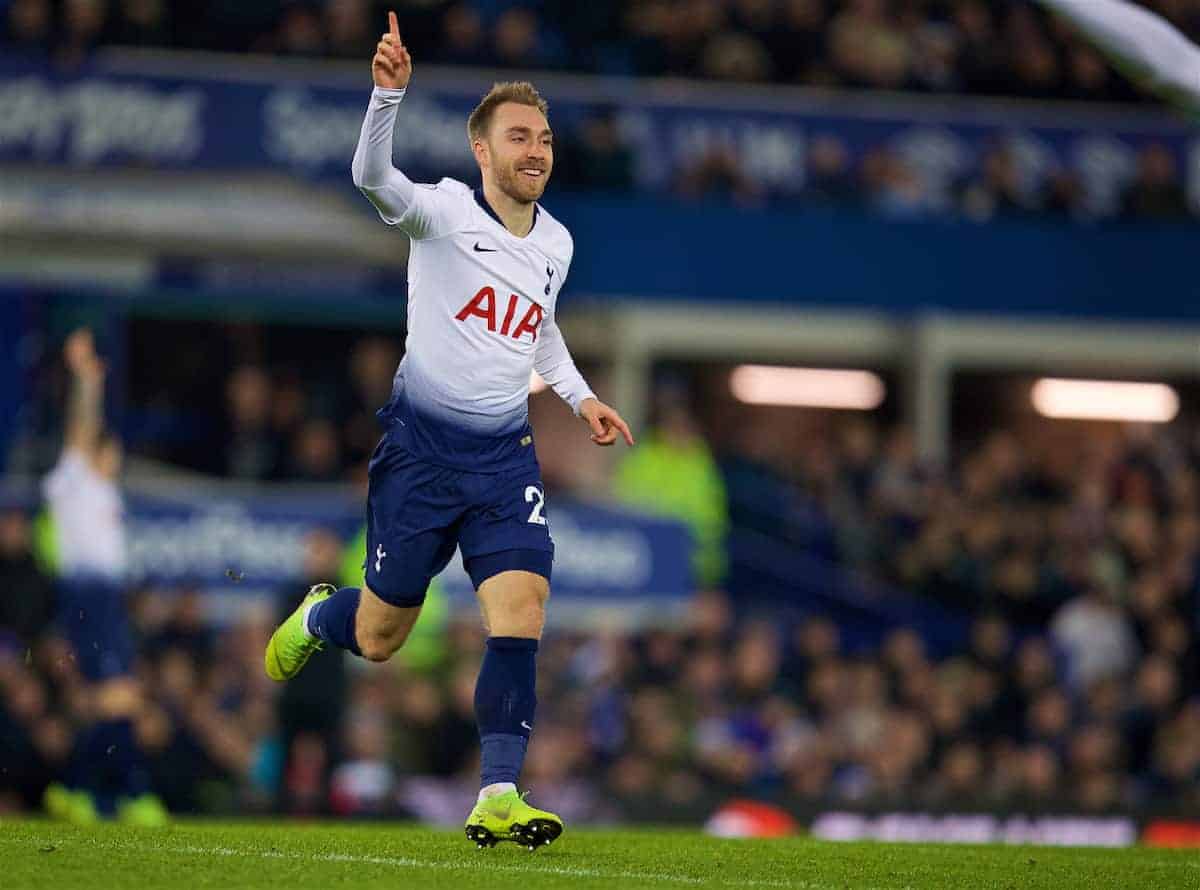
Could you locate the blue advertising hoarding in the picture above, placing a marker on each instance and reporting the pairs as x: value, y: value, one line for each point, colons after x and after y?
x: 608, y: 560
x: 301, y: 120
x: 165, y: 114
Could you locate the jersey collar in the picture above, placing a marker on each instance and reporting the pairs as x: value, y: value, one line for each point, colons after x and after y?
x: 487, y: 208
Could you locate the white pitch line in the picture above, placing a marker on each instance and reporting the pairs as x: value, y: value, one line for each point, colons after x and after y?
x: 407, y: 862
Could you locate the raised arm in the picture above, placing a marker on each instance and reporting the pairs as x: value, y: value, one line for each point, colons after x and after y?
x: 423, y: 211
x: 386, y: 187
x: 85, y: 404
x: 1142, y: 44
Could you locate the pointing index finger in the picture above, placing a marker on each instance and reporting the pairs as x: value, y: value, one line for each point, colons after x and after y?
x: 624, y: 428
x: 393, y: 25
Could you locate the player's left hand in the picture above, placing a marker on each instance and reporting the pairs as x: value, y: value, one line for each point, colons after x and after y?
x: 605, y: 422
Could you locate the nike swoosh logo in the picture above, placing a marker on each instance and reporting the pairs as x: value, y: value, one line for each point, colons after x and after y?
x: 527, y: 726
x: 484, y: 249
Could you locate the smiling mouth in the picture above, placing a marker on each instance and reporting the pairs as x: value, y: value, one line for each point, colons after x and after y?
x: 532, y: 172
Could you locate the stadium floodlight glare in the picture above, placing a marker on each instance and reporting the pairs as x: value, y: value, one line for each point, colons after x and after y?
x: 807, y: 387
x: 1104, y: 400
x: 536, y: 383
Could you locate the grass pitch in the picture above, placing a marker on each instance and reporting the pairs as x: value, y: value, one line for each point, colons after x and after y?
x: 285, y: 856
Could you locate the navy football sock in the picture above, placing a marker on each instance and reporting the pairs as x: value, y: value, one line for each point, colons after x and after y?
x: 505, y: 699
x: 128, y: 761
x: 108, y: 763
x: 332, y: 619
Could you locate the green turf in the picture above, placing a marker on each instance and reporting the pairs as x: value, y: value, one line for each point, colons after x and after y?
x: 400, y: 857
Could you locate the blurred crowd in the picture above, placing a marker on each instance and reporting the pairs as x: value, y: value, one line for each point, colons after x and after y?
x: 900, y: 185
x: 964, y: 46
x: 245, y: 402
x: 1072, y: 555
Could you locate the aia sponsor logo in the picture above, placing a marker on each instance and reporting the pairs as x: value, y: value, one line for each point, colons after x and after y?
x: 484, y: 305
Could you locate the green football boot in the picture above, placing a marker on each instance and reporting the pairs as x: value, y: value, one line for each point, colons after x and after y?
x: 506, y: 817
x: 76, y: 807
x: 144, y: 811
x: 292, y: 645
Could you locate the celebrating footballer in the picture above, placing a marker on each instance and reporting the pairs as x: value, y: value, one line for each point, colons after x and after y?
x: 456, y: 465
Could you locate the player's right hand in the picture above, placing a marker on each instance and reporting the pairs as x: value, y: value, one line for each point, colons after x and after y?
x: 392, y: 66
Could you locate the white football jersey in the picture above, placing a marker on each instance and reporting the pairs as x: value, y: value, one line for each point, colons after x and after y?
x: 89, y: 519
x: 480, y: 318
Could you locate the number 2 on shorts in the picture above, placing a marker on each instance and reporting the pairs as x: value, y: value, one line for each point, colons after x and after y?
x: 532, y: 494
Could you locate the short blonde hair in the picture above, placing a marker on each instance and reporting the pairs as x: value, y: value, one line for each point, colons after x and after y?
x: 520, y: 91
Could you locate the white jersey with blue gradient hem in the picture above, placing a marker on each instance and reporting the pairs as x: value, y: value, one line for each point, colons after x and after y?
x: 481, y: 313
x: 88, y: 513
x: 480, y: 318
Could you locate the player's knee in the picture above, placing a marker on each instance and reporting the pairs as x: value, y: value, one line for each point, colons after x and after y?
x: 378, y: 648
x: 380, y: 645
x: 527, y: 616
x: 374, y: 650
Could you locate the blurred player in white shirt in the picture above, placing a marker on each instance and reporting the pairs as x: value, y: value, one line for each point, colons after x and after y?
x: 456, y: 467
x: 107, y: 773
x: 1142, y: 44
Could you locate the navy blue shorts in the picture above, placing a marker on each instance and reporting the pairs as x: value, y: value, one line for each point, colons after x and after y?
x: 418, y: 512
x: 93, y: 616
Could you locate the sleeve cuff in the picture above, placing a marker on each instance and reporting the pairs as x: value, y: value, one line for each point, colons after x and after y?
x: 388, y: 96
x: 583, y: 398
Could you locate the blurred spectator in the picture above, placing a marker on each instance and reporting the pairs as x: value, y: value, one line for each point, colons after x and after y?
x: 373, y: 363
x: 1156, y: 192
x: 867, y: 48
x: 892, y: 188
x: 251, y: 448
x: 290, y: 405
x: 998, y: 190
x: 936, y: 65
x: 364, y: 784
x: 797, y: 42
x: 81, y: 30
x: 28, y: 600
x: 349, y: 29
x: 669, y: 37
x: 1088, y: 75
x: 981, y: 57
x: 1036, y: 70
x: 28, y: 24
x: 830, y: 181
x: 519, y: 42
x: 672, y: 472
x: 463, y: 39
x: 1096, y: 636
x: 1065, y: 196
x: 311, y: 706
x: 143, y: 23
x: 300, y: 32
x: 718, y: 174
x: 1040, y: 772
x: 596, y: 158
x: 735, y: 56
x: 316, y: 453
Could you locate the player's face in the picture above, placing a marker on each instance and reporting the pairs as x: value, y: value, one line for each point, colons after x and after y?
x: 520, y: 151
